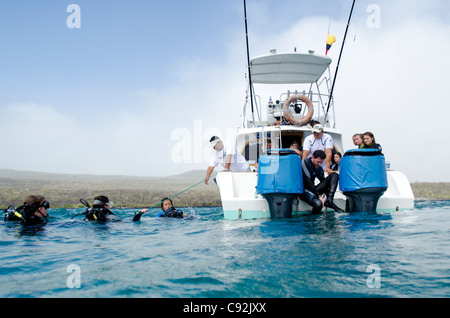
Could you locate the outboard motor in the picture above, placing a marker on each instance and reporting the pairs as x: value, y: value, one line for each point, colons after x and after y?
x: 363, y: 178
x: 280, y: 180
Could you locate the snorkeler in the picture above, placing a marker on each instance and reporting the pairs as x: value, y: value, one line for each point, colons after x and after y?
x: 33, y: 211
x: 168, y: 211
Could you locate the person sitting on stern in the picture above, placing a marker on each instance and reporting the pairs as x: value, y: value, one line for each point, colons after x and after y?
x: 312, y: 169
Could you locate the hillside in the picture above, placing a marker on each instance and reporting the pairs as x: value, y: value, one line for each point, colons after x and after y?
x: 65, y: 190
x: 431, y: 190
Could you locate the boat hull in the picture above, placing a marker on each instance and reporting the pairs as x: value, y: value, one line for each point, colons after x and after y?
x: 241, y: 201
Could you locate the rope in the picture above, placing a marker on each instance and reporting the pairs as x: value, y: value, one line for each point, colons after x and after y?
x: 181, y: 191
x: 138, y: 214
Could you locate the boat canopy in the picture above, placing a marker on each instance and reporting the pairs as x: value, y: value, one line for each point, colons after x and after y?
x: 288, y: 68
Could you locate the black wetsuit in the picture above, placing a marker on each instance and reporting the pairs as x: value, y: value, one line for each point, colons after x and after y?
x: 26, y: 219
x: 171, y: 213
x: 98, y: 214
x: 373, y: 146
x: 311, y: 192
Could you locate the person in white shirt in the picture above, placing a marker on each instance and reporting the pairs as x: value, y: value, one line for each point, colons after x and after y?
x: 319, y: 141
x: 227, y: 156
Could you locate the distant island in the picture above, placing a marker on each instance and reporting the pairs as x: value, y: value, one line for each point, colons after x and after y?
x: 66, y: 190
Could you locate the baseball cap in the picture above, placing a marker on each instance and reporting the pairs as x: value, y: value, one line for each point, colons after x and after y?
x: 318, y: 128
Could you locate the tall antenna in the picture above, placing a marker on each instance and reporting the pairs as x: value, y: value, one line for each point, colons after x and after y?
x: 331, y: 14
x: 248, y: 63
x: 339, y: 60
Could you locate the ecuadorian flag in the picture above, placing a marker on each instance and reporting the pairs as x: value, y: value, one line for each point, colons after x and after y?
x: 330, y: 40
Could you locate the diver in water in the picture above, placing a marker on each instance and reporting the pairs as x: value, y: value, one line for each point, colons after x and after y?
x: 33, y: 211
x: 168, y: 211
x: 100, y: 211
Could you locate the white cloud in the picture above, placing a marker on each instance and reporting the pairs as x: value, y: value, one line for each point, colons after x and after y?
x: 137, y: 140
x: 393, y: 84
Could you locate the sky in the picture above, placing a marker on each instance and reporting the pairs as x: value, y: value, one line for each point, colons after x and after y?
x: 138, y: 87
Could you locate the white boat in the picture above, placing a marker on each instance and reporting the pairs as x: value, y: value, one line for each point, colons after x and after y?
x: 307, y: 74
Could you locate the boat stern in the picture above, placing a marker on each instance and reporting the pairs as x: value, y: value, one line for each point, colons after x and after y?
x: 239, y: 197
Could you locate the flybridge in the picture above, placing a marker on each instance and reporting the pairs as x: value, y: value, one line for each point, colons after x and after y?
x: 309, y: 74
x: 288, y: 68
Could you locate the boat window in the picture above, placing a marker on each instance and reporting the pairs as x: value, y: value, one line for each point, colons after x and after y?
x: 288, y: 137
x: 254, y: 149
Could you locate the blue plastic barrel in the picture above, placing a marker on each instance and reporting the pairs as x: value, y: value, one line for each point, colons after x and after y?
x: 280, y: 180
x: 363, y: 178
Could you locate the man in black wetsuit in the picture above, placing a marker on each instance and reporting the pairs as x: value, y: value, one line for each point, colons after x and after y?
x: 312, y: 169
x: 33, y: 211
x: 100, y: 211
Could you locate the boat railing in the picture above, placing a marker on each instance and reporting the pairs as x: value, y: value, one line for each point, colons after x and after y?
x: 275, y: 108
x: 318, y: 92
x: 319, y: 101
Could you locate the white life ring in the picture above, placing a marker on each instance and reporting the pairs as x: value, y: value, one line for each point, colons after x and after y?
x: 303, y: 120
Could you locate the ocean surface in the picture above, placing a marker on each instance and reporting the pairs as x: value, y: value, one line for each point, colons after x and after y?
x: 398, y: 254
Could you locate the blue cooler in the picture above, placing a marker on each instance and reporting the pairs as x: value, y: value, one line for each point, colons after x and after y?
x: 363, y: 178
x: 280, y: 180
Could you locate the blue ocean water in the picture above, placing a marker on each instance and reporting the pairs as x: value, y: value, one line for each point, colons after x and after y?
x: 399, y: 254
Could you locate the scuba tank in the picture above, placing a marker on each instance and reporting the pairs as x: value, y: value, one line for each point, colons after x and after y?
x: 11, y: 214
x: 25, y: 214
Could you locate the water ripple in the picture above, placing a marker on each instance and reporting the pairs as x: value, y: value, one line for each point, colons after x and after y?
x: 328, y: 255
